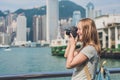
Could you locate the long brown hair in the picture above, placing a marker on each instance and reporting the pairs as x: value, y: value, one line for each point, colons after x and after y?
x: 90, y: 34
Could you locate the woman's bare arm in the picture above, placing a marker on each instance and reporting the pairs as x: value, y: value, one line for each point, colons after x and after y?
x: 67, y: 51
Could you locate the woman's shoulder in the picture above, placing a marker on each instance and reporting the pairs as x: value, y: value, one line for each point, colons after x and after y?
x: 89, y: 51
x: 91, y: 47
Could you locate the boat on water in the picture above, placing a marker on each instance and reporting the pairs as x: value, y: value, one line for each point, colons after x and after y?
x: 58, y: 46
x: 4, y: 46
x: 7, y: 49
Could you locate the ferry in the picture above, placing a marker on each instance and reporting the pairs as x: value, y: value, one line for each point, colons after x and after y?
x: 58, y: 46
x: 4, y: 46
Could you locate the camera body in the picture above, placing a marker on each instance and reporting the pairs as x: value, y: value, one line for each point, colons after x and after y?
x: 72, y: 30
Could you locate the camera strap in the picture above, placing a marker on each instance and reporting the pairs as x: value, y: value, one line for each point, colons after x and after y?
x: 87, y: 72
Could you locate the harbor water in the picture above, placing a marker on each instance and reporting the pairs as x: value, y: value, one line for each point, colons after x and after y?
x: 27, y: 60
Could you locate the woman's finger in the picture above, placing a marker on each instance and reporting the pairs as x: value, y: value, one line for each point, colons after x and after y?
x: 76, y: 38
x: 71, y: 35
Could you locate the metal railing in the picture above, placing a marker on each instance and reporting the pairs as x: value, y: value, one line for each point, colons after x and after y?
x: 46, y: 75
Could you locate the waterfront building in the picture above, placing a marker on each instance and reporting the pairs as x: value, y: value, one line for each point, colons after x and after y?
x: 39, y: 28
x: 44, y: 28
x: 98, y: 13
x: 52, y: 19
x: 108, y: 27
x: 76, y: 17
x: 21, y: 30
x: 28, y: 33
x: 4, y: 39
x: 2, y: 24
x: 13, y: 26
x: 90, y: 10
x: 10, y: 19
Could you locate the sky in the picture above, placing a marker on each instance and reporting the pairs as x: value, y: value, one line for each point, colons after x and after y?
x: 107, y: 6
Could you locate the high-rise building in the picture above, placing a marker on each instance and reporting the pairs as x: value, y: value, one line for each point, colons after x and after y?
x: 21, y: 30
x: 4, y: 39
x: 98, y: 13
x: 44, y: 32
x: 52, y: 19
x: 39, y: 28
x: 2, y: 24
x: 90, y: 10
x: 76, y: 17
x: 10, y: 18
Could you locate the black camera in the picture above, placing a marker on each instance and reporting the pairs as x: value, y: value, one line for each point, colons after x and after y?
x: 72, y: 30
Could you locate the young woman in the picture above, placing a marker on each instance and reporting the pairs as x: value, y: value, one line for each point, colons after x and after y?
x: 88, y: 54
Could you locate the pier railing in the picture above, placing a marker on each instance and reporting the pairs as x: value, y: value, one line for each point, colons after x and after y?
x: 47, y: 75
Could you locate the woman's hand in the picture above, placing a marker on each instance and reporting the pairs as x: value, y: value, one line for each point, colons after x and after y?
x: 71, y: 43
x: 72, y: 40
x: 67, y: 49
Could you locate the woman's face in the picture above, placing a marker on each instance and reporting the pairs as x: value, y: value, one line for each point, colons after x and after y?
x: 79, y: 31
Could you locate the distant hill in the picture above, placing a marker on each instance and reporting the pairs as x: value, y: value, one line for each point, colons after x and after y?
x: 1, y: 13
x: 66, y: 9
x: 29, y: 13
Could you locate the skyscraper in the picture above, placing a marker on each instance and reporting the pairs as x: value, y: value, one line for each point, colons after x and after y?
x: 44, y: 32
x: 21, y: 30
x: 76, y: 17
x: 52, y: 19
x: 90, y: 10
x: 39, y: 28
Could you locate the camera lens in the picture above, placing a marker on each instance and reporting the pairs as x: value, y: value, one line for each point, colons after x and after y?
x: 72, y: 30
x: 67, y: 32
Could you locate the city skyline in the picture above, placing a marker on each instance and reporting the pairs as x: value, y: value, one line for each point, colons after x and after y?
x: 107, y: 7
